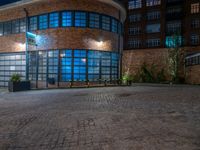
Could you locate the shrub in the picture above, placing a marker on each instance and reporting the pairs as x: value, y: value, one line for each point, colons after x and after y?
x: 15, y: 78
x: 149, y: 74
x: 161, y: 76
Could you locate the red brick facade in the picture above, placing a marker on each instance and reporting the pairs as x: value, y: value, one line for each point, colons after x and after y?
x: 61, y: 38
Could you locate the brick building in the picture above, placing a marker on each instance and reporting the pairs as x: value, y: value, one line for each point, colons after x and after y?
x: 54, y: 42
x: 48, y: 41
x: 150, y: 28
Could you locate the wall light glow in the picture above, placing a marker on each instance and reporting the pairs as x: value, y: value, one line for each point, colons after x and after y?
x: 21, y: 46
x: 100, y: 43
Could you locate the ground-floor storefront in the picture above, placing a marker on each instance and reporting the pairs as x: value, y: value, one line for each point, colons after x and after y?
x: 57, y: 68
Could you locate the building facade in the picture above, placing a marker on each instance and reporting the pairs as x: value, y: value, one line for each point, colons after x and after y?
x: 154, y: 26
x: 52, y: 43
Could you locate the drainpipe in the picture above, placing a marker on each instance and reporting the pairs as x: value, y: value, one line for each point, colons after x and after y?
x: 26, y: 36
x: 120, y: 51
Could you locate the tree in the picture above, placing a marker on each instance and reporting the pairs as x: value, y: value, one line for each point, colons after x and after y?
x: 174, y: 56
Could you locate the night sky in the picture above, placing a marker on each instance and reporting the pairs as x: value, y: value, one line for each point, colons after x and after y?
x: 3, y: 2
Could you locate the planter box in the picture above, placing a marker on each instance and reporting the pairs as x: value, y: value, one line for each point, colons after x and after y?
x: 19, y: 86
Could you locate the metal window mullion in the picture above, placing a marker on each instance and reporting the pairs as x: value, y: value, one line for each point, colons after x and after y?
x: 110, y: 67
x: 87, y: 78
x: 47, y: 68
x: 37, y: 67
x: 58, y: 77
x: 72, y: 66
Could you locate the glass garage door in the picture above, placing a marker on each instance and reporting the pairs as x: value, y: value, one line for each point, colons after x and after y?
x: 11, y: 63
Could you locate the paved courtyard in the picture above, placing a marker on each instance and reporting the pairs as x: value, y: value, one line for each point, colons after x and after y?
x: 116, y: 118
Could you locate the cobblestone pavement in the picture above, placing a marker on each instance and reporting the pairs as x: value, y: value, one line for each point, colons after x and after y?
x: 117, y: 118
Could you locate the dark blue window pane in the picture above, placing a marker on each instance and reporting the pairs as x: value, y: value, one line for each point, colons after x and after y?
x: 66, y: 53
x: 23, y: 25
x: 66, y: 77
x: 79, y: 53
x: 66, y: 61
x: 79, y: 77
x: 105, y: 55
x: 54, y: 20
x: 114, y: 63
x: 94, y: 54
x: 33, y: 23
x: 114, y: 25
x: 1, y: 29
x: 106, y: 62
x: 15, y: 26
x: 67, y: 19
x: 94, y: 20
x: 43, y: 22
x: 66, y: 69
x: 93, y: 77
x: 93, y: 70
x: 80, y: 69
x: 106, y: 23
x: 115, y: 56
x: 80, y: 19
x: 7, y: 28
x: 80, y: 61
x: 93, y: 62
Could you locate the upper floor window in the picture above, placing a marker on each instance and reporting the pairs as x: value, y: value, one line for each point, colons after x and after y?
x: 15, y: 26
x: 43, y: 22
x: 33, y: 23
x: 53, y: 20
x: 133, y: 4
x: 7, y: 28
x: 153, y: 2
x: 152, y: 15
x: 1, y: 29
x: 194, y: 39
x: 134, y: 31
x: 114, y: 25
x: 195, y: 8
x: 134, y: 43
x: 106, y: 23
x: 23, y: 25
x: 94, y: 20
x: 174, y: 10
x: 174, y: 27
x: 153, y: 42
x: 135, y: 17
x: 195, y: 23
x: 67, y: 19
x: 173, y: 41
x: 80, y: 19
x: 153, y: 28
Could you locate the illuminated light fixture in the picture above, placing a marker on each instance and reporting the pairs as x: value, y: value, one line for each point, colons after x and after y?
x: 22, y: 46
x: 100, y: 43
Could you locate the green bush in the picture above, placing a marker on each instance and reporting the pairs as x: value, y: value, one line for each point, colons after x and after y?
x: 127, y: 78
x: 149, y: 75
x: 15, y: 78
x: 161, y: 76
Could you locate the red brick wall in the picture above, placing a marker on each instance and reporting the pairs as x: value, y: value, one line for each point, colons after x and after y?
x: 133, y: 59
x: 46, y: 6
x: 193, y: 74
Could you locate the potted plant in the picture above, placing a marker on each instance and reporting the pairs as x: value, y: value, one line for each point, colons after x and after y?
x: 15, y: 84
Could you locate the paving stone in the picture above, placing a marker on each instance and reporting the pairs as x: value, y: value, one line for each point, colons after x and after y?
x: 117, y: 118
